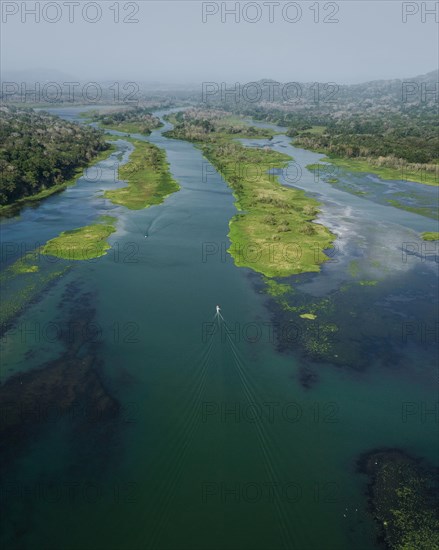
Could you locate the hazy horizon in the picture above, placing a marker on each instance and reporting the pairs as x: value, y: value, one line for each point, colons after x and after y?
x: 170, y: 43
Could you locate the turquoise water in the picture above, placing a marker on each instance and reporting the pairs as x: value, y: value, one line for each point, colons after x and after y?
x: 218, y: 443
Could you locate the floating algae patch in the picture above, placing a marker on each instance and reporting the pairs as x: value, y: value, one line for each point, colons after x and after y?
x: 430, y: 236
x: 354, y: 268
x: 24, y: 265
x: 277, y: 289
x: 343, y: 329
x: 308, y: 316
x: 148, y: 177
x: 83, y: 243
x: 402, y: 495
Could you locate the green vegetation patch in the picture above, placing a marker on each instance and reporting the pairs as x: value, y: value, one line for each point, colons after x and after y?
x: 277, y: 289
x: 422, y: 211
x: 402, y: 498
x: 148, y: 177
x: 135, y: 120
x: 22, y: 282
x: 405, y: 172
x: 208, y: 125
x: 430, y: 235
x: 83, y: 243
x: 308, y: 316
x: 274, y: 233
x: 354, y: 268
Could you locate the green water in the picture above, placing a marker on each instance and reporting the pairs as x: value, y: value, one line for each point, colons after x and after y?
x: 217, y: 445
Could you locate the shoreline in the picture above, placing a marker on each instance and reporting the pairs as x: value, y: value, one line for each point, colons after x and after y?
x: 274, y: 231
x: 147, y: 176
x: 360, y: 165
x: 10, y: 210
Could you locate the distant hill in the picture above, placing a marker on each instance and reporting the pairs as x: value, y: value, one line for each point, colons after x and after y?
x: 394, y: 94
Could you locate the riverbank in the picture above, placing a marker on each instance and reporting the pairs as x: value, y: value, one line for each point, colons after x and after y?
x: 149, y: 180
x: 13, y: 209
x: 405, y: 172
x: 135, y: 120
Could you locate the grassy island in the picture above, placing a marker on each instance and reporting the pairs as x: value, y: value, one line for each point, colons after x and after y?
x: 83, y: 243
x: 274, y: 233
x: 135, y: 120
x: 148, y: 177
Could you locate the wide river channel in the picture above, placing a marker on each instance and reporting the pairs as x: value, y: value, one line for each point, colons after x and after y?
x: 236, y: 441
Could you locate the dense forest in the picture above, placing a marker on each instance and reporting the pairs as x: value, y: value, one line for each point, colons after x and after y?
x: 207, y: 124
x: 388, y: 123
x: 413, y: 137
x: 394, y: 139
x: 135, y: 119
x: 39, y: 151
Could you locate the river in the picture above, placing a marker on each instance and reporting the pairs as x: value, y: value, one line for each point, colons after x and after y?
x: 219, y: 443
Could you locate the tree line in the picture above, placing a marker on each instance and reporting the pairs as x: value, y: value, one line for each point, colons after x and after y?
x: 39, y: 151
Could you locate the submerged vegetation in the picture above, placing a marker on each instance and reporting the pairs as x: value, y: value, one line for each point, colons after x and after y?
x: 403, y: 499
x: 274, y: 233
x: 22, y: 282
x: 148, y: 177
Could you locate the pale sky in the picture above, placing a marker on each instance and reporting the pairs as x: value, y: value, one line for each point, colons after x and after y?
x: 171, y: 43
